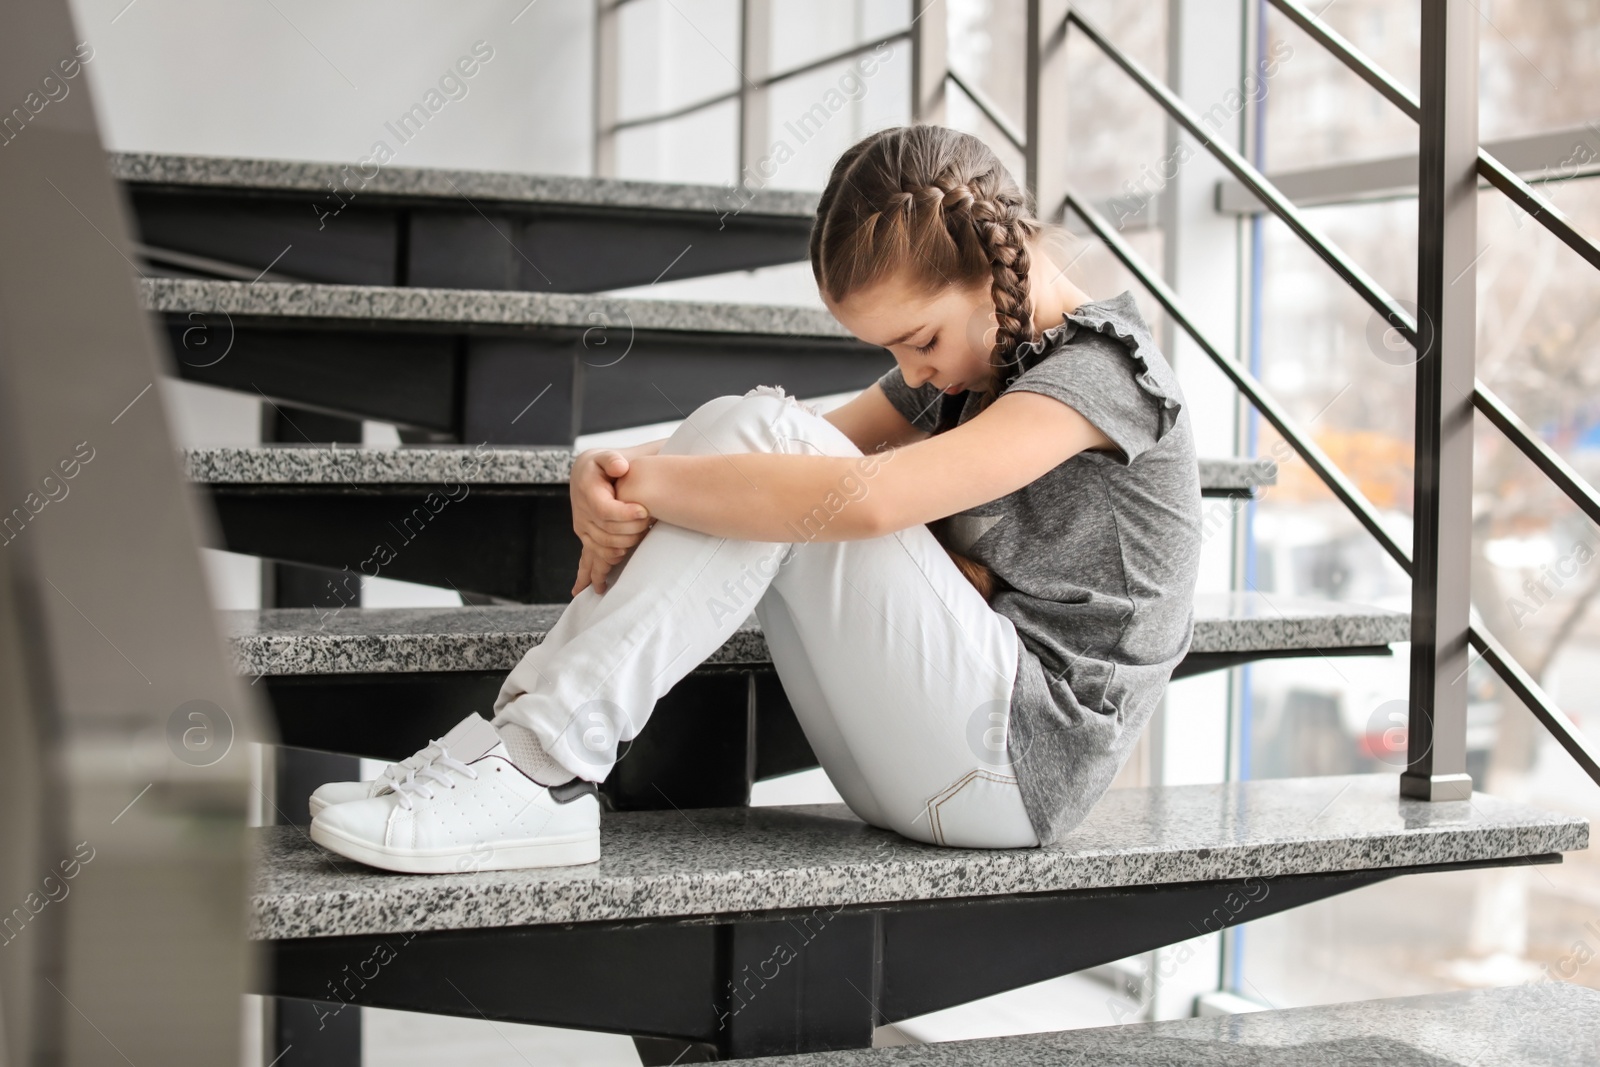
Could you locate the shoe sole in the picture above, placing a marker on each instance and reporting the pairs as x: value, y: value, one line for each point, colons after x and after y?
x: 568, y: 851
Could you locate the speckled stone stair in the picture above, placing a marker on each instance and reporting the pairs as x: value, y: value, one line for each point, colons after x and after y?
x: 495, y: 520
x: 371, y: 465
x: 1553, y: 1024
x: 390, y: 225
x: 380, y: 682
x: 678, y: 863
x: 497, y: 366
x: 437, y: 306
x: 309, y: 641
x: 761, y: 931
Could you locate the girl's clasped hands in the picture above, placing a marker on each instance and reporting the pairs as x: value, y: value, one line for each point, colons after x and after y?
x: 608, y: 527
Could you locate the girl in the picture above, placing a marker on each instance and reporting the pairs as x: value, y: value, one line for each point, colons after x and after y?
x: 976, y: 684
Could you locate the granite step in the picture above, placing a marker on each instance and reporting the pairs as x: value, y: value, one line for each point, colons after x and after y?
x: 686, y: 928
x: 482, y: 519
x: 388, y: 225
x: 312, y: 641
x: 381, y: 682
x: 675, y: 864
x: 499, y: 367
x: 1552, y: 1024
x: 432, y: 465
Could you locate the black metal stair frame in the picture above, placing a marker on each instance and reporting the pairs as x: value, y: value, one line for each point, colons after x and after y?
x: 790, y: 981
x: 455, y: 229
x: 497, y: 367
x: 501, y: 535
x: 725, y: 932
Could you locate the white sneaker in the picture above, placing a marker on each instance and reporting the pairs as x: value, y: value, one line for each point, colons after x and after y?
x: 344, y: 792
x: 467, y: 809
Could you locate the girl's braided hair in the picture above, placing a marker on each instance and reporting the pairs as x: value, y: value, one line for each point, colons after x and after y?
x: 937, y: 206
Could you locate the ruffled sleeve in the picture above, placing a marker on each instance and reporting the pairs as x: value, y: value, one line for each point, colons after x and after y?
x: 1102, y: 362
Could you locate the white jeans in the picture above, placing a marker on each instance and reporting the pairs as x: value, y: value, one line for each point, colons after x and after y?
x: 899, y: 672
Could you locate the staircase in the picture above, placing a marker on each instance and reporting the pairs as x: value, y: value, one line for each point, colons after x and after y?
x: 449, y: 304
x: 1423, y: 1031
x: 734, y: 931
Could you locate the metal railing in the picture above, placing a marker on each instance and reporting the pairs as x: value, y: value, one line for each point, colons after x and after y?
x: 1438, y: 431
x: 1426, y: 343
x: 930, y: 74
x: 755, y: 81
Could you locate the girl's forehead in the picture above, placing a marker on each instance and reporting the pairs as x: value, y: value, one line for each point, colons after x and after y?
x: 896, y: 301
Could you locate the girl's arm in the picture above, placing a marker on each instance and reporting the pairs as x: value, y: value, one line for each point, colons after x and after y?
x: 1015, y: 440
x: 758, y: 496
x: 649, y: 448
x: 763, y: 496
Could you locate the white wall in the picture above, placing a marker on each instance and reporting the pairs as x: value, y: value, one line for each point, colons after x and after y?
x: 298, y: 79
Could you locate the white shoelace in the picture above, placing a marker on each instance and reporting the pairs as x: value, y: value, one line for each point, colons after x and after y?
x: 415, y: 762
x: 439, y: 769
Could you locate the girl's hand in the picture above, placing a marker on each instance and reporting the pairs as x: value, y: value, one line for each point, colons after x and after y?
x: 609, y: 528
x: 593, y: 571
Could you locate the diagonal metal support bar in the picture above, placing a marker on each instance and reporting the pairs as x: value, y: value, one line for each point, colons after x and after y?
x: 1351, y: 57
x: 1346, y: 268
x: 1246, y: 383
x: 1543, y: 456
x: 991, y: 111
x: 1498, y: 175
x: 1538, y: 702
x: 1543, y: 211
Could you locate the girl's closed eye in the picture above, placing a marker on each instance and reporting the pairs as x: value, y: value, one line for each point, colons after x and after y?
x: 929, y: 347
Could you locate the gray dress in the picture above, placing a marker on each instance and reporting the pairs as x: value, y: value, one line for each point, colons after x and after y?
x: 1096, y: 559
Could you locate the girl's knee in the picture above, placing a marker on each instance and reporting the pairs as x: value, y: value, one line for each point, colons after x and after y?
x: 709, y: 427
x: 741, y: 423
x: 784, y: 400
x: 764, y: 419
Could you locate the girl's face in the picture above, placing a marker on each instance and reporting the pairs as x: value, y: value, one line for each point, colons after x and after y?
x: 944, y: 338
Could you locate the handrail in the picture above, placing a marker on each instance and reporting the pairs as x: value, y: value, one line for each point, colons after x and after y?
x: 1497, y: 174
x: 1247, y: 384
x: 1252, y: 179
x: 990, y: 110
x: 764, y: 83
